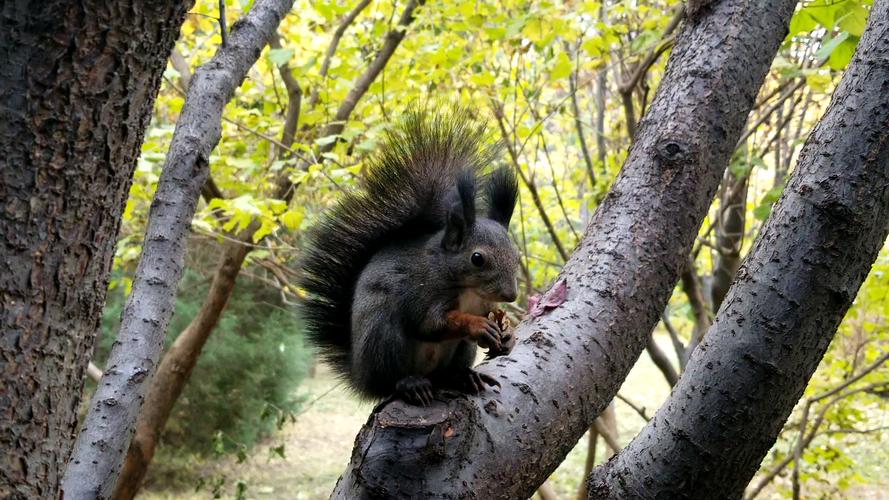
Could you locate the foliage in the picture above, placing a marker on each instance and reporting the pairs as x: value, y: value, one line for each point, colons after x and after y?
x: 245, y: 379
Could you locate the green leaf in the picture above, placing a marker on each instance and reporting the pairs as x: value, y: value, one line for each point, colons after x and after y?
x: 830, y: 44
x: 280, y: 56
x: 328, y: 139
x: 824, y: 11
x: 241, y: 492
x: 842, y: 54
x: 482, y: 79
x: 854, y: 20
x: 562, y: 66
x: 802, y: 22
x: 765, y: 207
x: 818, y: 80
x: 265, y: 229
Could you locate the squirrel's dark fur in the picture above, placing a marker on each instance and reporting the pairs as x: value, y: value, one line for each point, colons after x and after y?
x: 400, y: 275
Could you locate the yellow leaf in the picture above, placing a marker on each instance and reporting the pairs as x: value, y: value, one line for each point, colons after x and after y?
x: 291, y: 219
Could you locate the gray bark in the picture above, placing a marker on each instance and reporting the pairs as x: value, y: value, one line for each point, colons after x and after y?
x: 99, y: 452
x: 790, y: 294
x: 571, y: 361
x: 78, y: 81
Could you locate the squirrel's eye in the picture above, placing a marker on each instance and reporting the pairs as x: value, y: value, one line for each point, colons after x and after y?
x: 478, y: 260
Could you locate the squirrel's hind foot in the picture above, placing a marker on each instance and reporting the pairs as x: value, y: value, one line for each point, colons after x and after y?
x: 414, y: 390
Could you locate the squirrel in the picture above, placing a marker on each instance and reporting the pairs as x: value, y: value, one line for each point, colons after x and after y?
x: 400, y: 276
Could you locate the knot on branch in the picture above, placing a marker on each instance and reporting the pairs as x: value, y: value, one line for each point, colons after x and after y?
x: 672, y: 152
x: 420, y: 443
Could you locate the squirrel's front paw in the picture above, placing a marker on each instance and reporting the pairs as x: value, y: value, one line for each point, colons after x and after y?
x: 506, y: 335
x: 507, y: 342
x: 414, y: 390
x: 486, y: 333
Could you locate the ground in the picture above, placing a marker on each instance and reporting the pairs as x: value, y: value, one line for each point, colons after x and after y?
x: 318, y: 444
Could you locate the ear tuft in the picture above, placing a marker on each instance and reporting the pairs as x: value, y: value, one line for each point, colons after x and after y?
x: 502, y: 192
x: 466, y: 189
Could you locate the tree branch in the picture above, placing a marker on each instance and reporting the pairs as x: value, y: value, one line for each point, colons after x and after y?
x: 627, y: 86
x: 210, y: 189
x: 223, y: 25
x: 294, y: 102
x: 661, y: 361
x: 691, y: 286
x: 99, y: 451
x: 578, y: 126
x: 285, y: 188
x: 813, y: 433
x: 334, y: 43
x: 638, y: 409
x: 678, y: 346
x: 177, y: 60
x: 783, y: 309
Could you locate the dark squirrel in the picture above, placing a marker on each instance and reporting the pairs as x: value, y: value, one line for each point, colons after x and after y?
x: 400, y: 277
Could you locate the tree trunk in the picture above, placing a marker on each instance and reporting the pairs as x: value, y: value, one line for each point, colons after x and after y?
x: 791, y: 293
x: 571, y: 361
x: 77, y: 85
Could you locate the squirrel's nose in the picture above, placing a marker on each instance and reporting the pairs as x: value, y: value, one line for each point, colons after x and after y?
x: 509, y: 294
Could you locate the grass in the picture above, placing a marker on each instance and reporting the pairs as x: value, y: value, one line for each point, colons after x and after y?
x: 318, y: 445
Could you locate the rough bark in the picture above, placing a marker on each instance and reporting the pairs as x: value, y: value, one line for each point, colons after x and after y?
x: 777, y: 320
x: 77, y: 86
x: 108, y: 427
x: 177, y: 364
x: 571, y: 361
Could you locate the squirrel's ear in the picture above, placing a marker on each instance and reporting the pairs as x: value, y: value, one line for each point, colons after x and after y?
x: 461, y: 214
x: 501, y: 193
x: 455, y: 231
x: 466, y: 190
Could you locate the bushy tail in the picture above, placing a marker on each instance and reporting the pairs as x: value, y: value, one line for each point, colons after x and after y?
x: 405, y: 191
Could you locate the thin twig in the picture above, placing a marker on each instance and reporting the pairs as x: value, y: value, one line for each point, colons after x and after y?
x: 334, y: 43
x: 636, y: 408
x: 532, y: 187
x: 578, y: 124
x: 223, y: 28
x: 666, y: 41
